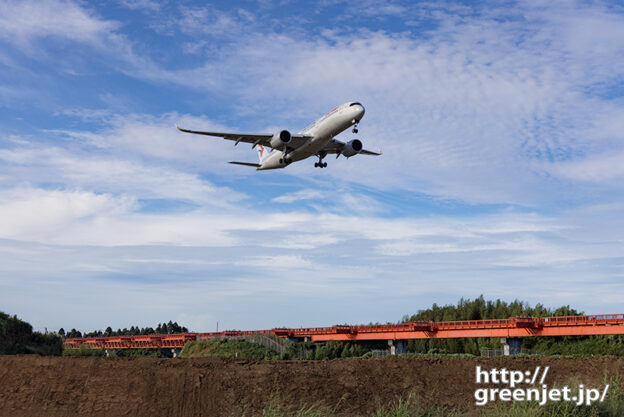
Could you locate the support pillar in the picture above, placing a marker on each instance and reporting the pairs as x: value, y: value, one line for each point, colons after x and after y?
x: 110, y: 353
x: 397, y: 347
x: 175, y: 352
x: 511, y: 345
x: 164, y: 353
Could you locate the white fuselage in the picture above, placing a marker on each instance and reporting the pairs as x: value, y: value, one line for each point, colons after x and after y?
x: 321, y: 131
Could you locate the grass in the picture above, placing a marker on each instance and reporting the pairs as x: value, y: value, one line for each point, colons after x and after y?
x: 613, y: 406
x: 83, y: 351
x: 226, y: 349
x: 399, y: 408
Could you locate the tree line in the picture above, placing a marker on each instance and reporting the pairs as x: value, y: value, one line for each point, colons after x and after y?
x: 16, y: 336
x: 170, y: 327
x: 480, y: 309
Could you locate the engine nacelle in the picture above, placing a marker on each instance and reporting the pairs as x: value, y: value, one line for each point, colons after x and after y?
x: 353, y: 147
x: 280, y: 139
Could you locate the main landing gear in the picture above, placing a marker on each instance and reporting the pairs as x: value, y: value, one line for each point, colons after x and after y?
x: 285, y: 160
x: 320, y: 163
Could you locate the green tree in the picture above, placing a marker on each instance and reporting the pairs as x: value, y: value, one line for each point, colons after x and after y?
x: 480, y: 309
x: 17, y: 336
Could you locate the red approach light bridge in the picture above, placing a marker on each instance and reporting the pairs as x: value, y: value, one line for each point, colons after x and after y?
x: 511, y: 330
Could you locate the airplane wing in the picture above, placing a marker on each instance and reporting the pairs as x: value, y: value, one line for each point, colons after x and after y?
x: 336, y: 146
x: 254, y: 138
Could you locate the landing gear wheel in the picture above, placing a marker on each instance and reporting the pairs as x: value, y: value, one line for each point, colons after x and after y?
x: 320, y: 163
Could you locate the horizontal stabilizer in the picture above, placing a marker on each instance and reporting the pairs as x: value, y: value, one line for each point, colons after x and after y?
x: 365, y: 152
x: 249, y: 164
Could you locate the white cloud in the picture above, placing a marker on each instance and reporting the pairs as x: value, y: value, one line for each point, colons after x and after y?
x: 481, y: 110
x: 24, y: 21
x: 290, y: 262
x: 149, y: 5
x: 142, y: 156
x: 477, y: 111
x: 298, y: 196
x: 605, y: 168
x: 44, y: 214
x: 111, y: 175
x: 304, y: 240
x: 26, y: 24
x: 229, y: 262
x: 210, y: 20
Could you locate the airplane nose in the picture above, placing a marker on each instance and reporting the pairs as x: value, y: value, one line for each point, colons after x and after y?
x: 361, y: 112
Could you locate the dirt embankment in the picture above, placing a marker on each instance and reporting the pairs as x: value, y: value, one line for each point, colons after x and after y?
x: 63, y: 386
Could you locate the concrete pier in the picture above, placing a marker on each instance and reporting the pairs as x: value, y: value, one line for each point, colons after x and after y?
x: 511, y: 345
x: 397, y: 347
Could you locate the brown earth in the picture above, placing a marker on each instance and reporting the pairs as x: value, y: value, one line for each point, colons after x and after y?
x: 68, y: 386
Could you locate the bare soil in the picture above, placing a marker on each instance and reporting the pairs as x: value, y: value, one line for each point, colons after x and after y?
x: 67, y: 386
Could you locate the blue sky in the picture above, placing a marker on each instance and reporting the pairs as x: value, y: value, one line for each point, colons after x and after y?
x: 502, y: 126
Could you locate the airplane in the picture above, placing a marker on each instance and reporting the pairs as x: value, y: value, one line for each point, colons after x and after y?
x: 315, y: 140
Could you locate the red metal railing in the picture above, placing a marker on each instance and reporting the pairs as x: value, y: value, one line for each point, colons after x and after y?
x: 151, y: 341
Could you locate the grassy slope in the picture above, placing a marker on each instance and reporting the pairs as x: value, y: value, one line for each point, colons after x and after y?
x: 226, y: 349
x: 613, y: 406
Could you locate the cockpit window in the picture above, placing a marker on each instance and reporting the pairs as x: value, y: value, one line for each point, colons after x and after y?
x: 354, y: 104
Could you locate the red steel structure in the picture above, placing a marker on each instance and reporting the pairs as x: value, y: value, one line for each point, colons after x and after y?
x: 151, y: 341
x: 512, y: 327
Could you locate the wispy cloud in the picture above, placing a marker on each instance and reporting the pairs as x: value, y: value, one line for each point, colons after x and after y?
x: 149, y: 5
x: 36, y: 212
x: 232, y: 260
x: 22, y: 22
x: 212, y: 21
x: 108, y: 175
x: 602, y: 168
x: 487, y: 95
x: 298, y: 196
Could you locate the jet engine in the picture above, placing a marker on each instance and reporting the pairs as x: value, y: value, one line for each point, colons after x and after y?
x: 280, y: 139
x: 353, y: 147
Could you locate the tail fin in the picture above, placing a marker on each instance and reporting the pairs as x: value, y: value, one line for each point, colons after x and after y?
x: 262, y: 153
